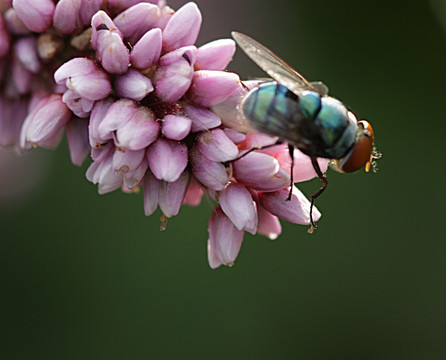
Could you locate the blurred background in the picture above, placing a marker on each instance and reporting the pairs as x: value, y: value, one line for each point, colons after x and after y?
x: 89, y: 276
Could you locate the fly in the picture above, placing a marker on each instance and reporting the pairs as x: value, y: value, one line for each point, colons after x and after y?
x: 302, y: 114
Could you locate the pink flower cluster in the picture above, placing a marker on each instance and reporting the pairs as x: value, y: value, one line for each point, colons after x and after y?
x: 125, y: 81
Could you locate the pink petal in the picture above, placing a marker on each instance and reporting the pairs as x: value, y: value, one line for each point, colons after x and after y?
x: 235, y: 136
x: 139, y: 131
x: 194, y: 193
x: 117, y: 115
x: 25, y: 50
x: 171, y: 195
x: 297, y: 210
x: 44, y: 124
x: 261, y: 172
x: 98, y: 112
x: 85, y: 78
x: 212, y: 174
x: 182, y: 28
x: 133, y: 85
x: 101, y: 173
x: 127, y: 161
x: 269, y: 224
x: 151, y: 192
x: 137, y: 20
x: 216, y: 146
x: 212, y: 87
x: 173, y: 80
x: 77, y: 137
x: 215, y: 55
x: 224, y: 241
x: 147, y: 50
x: 36, y: 15
x: 167, y: 159
x: 202, y: 119
x: 237, y: 203
x: 176, y: 127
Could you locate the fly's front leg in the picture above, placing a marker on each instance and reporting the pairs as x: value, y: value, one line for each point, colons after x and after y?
x: 317, y: 193
x: 291, y: 151
x: 278, y: 142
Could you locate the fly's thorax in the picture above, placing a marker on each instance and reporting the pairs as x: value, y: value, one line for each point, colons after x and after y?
x: 338, y: 127
x: 329, y: 129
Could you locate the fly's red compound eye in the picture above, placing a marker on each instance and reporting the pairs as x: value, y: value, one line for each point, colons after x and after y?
x: 361, y: 153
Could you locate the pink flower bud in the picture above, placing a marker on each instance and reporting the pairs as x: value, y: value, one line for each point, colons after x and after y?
x: 176, y: 127
x: 98, y: 112
x: 147, y: 50
x: 237, y: 203
x: 84, y: 78
x: 151, y: 193
x: 194, y: 193
x: 297, y: 210
x: 133, y: 85
x: 215, y: 55
x: 37, y: 15
x: 44, y: 124
x: 139, y: 131
x: 268, y: 225
x: 101, y: 173
x: 182, y: 28
x: 202, y: 119
x: 216, y: 146
x: 167, y: 159
x: 212, y: 174
x: 106, y: 39
x: 225, y: 240
x: 73, y: 15
x: 21, y: 76
x: 25, y: 50
x: 116, y: 117
x: 137, y: 20
x: 79, y: 106
x: 77, y: 137
x: 132, y: 165
x: 173, y: 78
x: 212, y: 87
x: 171, y: 194
x: 261, y: 172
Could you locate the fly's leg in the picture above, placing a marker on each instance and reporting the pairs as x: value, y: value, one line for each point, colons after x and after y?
x: 278, y: 142
x: 317, y: 193
x: 291, y: 151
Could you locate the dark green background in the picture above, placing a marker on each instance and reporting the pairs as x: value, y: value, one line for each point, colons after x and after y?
x: 88, y: 276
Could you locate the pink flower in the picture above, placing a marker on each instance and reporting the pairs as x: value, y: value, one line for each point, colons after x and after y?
x: 126, y: 82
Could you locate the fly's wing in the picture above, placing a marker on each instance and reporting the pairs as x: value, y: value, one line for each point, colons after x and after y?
x: 320, y: 86
x: 274, y: 66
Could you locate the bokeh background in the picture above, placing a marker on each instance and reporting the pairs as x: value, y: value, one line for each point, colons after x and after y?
x: 89, y: 276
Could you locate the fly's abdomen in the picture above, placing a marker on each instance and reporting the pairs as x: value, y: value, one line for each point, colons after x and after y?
x: 270, y: 108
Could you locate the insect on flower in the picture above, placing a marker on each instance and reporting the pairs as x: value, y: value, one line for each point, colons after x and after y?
x: 301, y: 114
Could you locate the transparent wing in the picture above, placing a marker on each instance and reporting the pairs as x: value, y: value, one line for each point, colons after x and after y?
x: 320, y: 86
x: 274, y: 66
